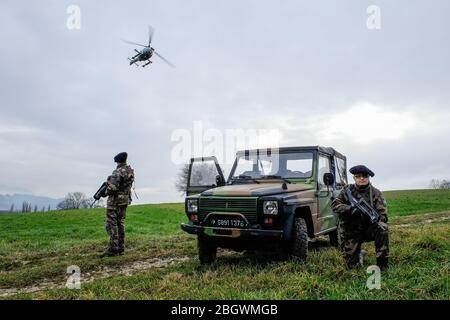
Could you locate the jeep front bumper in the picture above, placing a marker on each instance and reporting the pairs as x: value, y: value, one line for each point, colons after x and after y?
x: 231, y: 232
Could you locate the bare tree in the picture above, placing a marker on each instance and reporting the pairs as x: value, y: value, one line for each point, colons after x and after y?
x: 12, y: 208
x: 26, y: 207
x: 440, y: 184
x: 74, y: 200
x: 78, y: 199
x: 64, y: 205
x: 99, y: 204
x: 91, y: 203
x: 182, y: 179
x: 434, y: 183
x: 445, y: 184
x: 49, y: 208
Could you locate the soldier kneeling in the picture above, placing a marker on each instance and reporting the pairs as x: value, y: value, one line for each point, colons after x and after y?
x: 354, y: 227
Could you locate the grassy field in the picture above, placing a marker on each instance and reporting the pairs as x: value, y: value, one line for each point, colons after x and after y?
x: 408, y: 202
x: 161, y: 261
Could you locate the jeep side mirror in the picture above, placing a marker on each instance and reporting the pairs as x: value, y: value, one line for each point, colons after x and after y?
x: 328, y: 179
x: 219, y: 181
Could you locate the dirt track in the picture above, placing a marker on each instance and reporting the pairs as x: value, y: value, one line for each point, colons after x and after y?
x: 104, y: 272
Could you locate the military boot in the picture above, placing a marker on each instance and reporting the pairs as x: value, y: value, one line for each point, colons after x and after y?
x: 121, y: 251
x: 382, y: 263
x: 109, y: 253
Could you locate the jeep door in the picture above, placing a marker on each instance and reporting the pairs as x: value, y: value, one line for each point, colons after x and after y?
x: 204, y: 173
x: 326, y: 218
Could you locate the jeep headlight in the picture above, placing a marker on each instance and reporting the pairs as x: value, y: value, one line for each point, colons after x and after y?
x: 192, y: 206
x: 270, y: 207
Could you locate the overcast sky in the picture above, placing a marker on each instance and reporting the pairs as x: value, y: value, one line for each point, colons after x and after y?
x: 311, y: 71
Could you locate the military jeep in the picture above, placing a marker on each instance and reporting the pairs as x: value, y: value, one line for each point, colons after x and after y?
x: 272, y: 197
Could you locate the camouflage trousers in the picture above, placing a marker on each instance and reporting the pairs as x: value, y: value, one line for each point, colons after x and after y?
x: 354, y: 235
x: 115, y: 217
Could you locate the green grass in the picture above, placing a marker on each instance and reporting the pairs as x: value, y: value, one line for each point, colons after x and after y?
x: 419, y: 271
x: 38, y: 247
x: 407, y: 202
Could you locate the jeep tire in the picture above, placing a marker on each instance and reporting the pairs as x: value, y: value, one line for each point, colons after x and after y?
x: 206, y: 252
x: 299, y: 246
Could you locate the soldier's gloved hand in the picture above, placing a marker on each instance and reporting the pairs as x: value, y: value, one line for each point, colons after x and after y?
x: 383, y: 218
x: 346, y: 208
x: 108, y: 192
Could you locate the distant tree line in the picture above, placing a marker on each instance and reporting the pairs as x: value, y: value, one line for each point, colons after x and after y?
x: 78, y: 200
x: 440, y: 184
x: 29, y: 207
x: 73, y: 200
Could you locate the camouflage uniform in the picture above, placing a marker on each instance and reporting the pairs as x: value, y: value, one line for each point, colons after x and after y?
x: 119, y: 197
x: 356, y: 229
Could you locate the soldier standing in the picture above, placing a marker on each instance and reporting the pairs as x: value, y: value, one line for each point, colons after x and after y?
x: 119, y: 185
x: 354, y: 227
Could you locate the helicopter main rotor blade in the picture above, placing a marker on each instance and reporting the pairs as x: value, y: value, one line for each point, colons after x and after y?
x: 134, y: 43
x: 164, y: 59
x: 150, y: 35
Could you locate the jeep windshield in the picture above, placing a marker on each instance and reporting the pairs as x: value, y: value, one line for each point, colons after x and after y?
x: 296, y: 165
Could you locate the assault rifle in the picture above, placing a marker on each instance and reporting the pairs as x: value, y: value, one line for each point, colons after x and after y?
x: 365, y: 208
x: 101, y: 193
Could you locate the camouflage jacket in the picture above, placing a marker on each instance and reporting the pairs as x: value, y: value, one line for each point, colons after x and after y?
x: 119, y: 185
x: 341, y: 205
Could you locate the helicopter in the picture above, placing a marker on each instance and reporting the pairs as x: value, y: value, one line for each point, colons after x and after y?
x: 146, y: 53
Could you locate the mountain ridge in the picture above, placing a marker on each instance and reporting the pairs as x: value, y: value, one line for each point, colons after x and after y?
x: 6, y: 200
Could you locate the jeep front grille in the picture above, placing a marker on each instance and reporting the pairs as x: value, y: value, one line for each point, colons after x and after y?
x: 246, y: 206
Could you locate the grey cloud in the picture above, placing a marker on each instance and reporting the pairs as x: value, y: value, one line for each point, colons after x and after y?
x: 253, y: 64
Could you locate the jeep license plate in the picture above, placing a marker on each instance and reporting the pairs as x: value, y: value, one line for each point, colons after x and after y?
x: 226, y: 222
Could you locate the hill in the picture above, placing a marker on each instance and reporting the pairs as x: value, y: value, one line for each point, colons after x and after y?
x: 161, y: 261
x: 17, y: 199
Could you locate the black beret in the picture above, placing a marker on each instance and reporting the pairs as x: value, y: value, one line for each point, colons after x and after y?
x: 361, y: 169
x: 121, y: 157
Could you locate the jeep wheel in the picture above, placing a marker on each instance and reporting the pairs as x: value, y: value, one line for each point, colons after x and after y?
x: 206, y: 252
x: 299, y: 249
